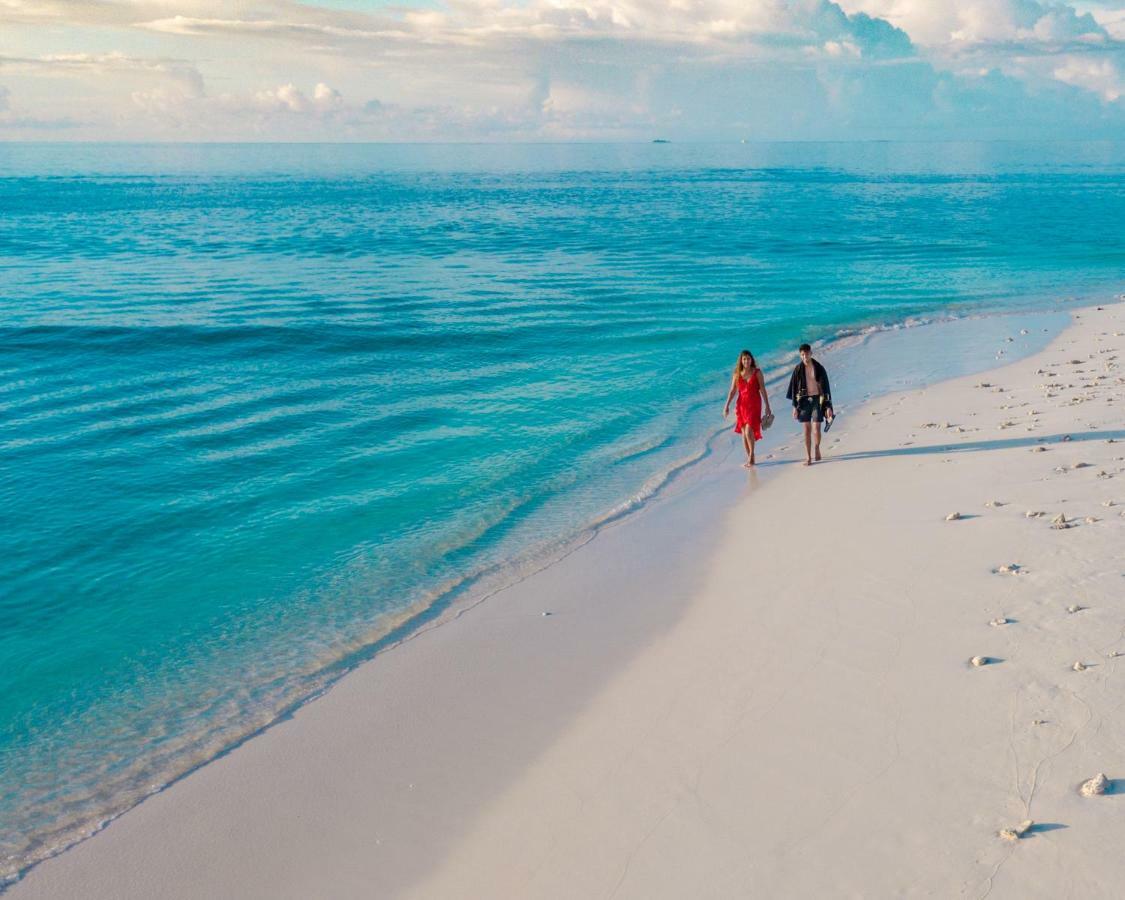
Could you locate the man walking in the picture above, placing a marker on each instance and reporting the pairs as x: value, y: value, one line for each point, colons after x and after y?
x: 812, y: 400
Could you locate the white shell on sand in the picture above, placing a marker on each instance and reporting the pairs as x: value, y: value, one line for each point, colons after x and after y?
x: 1060, y: 521
x: 1009, y: 569
x: 978, y: 661
x: 1033, y: 514
x: 953, y: 517
x: 1079, y: 666
x: 1113, y: 654
x: 1094, y: 786
x: 995, y: 623
x: 1014, y: 834
x: 1074, y: 607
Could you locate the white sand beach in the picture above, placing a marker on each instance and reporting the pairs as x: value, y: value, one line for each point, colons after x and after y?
x: 778, y: 701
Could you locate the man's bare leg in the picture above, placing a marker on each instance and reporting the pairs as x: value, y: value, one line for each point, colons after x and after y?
x: 816, y: 428
x: 808, y: 442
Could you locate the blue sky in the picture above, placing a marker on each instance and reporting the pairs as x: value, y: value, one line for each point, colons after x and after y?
x: 561, y: 70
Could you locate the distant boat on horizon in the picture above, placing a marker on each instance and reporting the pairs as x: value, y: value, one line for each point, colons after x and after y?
x: 660, y: 141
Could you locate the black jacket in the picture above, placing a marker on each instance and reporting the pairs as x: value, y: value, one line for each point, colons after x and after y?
x: 798, y: 390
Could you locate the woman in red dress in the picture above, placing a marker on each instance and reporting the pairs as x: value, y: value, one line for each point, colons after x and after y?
x: 750, y: 386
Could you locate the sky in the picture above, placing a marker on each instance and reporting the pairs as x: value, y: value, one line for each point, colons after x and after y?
x: 561, y: 70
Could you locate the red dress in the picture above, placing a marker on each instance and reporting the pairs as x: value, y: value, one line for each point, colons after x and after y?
x: 749, y: 408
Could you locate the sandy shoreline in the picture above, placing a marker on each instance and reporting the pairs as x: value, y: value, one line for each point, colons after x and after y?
x: 788, y: 710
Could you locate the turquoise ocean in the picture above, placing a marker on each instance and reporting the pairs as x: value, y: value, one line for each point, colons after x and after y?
x: 264, y: 408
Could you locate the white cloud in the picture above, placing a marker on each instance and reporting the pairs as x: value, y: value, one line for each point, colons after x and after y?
x: 572, y: 69
x: 288, y: 98
x: 945, y: 24
x: 1098, y: 75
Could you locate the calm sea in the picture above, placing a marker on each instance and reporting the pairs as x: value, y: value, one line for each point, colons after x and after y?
x: 260, y: 404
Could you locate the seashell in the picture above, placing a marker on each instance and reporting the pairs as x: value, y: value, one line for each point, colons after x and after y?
x: 1079, y: 666
x: 1038, y: 721
x: 1074, y: 607
x: 978, y: 661
x: 996, y: 623
x: 1009, y: 569
x: 1060, y: 522
x: 1090, y: 520
x: 953, y: 517
x: 1095, y: 786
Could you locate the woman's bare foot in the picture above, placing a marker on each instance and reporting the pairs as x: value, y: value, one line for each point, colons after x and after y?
x: 807, y: 462
x: 748, y: 464
x: 818, y: 454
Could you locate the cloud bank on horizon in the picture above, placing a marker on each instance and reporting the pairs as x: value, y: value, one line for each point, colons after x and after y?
x: 561, y: 70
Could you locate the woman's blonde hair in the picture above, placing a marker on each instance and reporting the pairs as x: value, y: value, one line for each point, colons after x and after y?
x: 738, y: 365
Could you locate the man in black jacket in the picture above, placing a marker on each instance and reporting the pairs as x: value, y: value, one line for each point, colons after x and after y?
x: 812, y: 400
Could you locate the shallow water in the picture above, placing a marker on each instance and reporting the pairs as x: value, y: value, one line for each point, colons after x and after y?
x: 258, y: 402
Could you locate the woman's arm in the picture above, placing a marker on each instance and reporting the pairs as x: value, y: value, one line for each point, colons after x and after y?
x: 762, y: 388
x: 730, y: 395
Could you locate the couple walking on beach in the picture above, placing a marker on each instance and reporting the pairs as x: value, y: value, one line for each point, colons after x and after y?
x: 809, y: 391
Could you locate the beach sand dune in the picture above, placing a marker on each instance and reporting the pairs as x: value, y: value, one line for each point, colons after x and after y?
x: 789, y: 714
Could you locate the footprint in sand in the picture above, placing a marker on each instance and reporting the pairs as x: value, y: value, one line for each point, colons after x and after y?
x: 1059, y: 522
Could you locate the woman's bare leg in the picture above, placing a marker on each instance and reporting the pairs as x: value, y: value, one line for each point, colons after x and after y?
x: 748, y: 445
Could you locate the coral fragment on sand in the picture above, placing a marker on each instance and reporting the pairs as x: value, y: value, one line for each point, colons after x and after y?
x: 1014, y: 834
x: 1095, y: 786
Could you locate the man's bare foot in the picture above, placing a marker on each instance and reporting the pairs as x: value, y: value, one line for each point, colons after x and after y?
x: 818, y: 454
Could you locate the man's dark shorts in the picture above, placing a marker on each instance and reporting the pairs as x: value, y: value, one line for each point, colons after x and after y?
x: 808, y: 410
